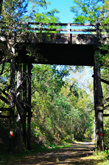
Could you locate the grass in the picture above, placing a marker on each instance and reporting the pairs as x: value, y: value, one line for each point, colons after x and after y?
x: 6, y: 158
x: 101, y: 158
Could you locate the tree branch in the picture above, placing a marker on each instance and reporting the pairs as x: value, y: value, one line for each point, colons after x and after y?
x: 105, y: 81
x: 2, y: 68
x: 7, y: 59
x: 105, y: 101
x: 5, y: 100
x: 6, y: 94
x: 106, y: 107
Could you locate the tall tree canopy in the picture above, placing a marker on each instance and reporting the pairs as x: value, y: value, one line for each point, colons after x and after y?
x: 90, y: 11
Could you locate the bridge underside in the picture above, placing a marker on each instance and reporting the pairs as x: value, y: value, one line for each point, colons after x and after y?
x: 63, y: 54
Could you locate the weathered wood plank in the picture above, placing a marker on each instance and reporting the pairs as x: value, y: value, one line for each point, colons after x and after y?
x: 4, y: 116
x: 105, y: 115
x: 5, y: 109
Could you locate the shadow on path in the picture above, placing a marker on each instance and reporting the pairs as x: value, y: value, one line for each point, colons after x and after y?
x: 75, y: 155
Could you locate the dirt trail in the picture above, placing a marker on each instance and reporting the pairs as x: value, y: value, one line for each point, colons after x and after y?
x: 76, y: 155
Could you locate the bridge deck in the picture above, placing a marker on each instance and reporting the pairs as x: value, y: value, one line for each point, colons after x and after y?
x: 67, y: 54
x: 77, y: 49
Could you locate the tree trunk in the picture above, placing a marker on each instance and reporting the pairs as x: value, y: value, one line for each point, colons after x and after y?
x: 19, y: 75
x: 29, y: 108
x: 71, y: 129
x: 25, y: 100
x: 12, y: 101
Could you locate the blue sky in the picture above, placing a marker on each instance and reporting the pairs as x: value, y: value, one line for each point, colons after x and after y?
x: 63, y: 6
x: 84, y: 78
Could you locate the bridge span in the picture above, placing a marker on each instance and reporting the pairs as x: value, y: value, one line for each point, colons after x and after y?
x: 72, y: 45
x: 58, y: 43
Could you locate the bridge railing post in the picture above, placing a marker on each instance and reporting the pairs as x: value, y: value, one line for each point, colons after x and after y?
x: 68, y: 32
x: 98, y: 34
x: 40, y: 26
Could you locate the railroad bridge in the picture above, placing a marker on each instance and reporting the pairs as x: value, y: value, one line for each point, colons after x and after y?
x: 50, y: 43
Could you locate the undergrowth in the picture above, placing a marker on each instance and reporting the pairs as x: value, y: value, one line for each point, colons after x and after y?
x: 101, y: 158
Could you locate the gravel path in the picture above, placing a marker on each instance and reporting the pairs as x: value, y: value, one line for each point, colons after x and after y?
x: 77, y: 154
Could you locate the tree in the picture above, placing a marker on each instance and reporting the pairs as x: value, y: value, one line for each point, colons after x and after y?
x: 50, y: 108
x: 89, y: 11
x: 81, y: 113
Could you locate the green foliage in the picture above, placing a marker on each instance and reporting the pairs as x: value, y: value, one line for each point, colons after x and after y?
x: 47, y: 17
x: 4, y: 80
x: 51, y: 107
x: 89, y: 11
x: 55, y: 104
x: 13, y: 12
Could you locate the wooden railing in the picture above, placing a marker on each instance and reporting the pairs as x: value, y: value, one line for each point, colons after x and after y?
x: 97, y: 30
x: 57, y: 27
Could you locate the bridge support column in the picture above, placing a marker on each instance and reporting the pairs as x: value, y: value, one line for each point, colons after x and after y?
x: 98, y: 96
x: 25, y: 100
x: 29, y: 108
